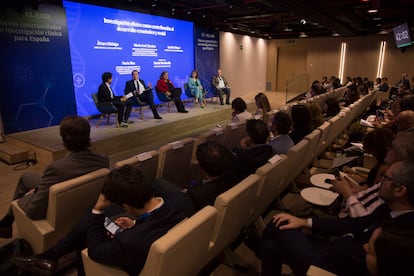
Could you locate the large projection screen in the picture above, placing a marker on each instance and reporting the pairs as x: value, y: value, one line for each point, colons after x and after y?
x: 104, y: 39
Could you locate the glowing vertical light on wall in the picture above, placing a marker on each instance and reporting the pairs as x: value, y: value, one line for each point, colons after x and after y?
x: 342, y: 61
x: 383, y: 45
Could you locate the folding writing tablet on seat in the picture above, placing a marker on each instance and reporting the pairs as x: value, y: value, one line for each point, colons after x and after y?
x: 181, y: 251
x: 68, y: 202
x: 174, y: 162
x: 146, y: 162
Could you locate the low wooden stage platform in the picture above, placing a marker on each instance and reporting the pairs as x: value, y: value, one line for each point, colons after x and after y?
x: 121, y: 143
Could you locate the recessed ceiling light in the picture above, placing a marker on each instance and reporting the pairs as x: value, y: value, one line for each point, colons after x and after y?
x: 372, y: 11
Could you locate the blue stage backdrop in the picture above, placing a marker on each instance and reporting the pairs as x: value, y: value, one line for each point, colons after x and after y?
x: 104, y: 39
x: 37, y: 87
x: 207, y: 56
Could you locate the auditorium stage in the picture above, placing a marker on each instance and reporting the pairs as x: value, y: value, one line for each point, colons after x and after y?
x: 119, y: 143
x: 142, y: 135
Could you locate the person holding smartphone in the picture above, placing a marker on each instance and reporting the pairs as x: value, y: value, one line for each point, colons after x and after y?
x: 149, y: 218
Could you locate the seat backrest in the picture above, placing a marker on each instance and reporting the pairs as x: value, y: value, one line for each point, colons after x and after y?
x: 174, y: 163
x: 313, y: 139
x: 235, y: 208
x: 95, y: 99
x: 69, y: 200
x: 322, y: 144
x: 146, y: 162
x: 271, y: 184
x: 233, y: 133
x: 187, y: 90
x: 296, y: 155
x: 183, y: 250
x: 215, y: 134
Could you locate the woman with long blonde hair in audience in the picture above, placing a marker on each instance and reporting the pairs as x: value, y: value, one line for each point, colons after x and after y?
x: 262, y: 107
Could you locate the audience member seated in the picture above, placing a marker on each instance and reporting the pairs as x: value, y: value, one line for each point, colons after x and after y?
x: 315, y: 89
x: 331, y: 108
x: 348, y: 81
x: 165, y: 85
x: 222, y: 87
x: 390, y: 250
x: 407, y: 102
x: 316, y: 115
x: 196, y: 88
x: 302, y: 122
x: 382, y: 91
x: 262, y: 106
x: 280, y: 128
x: 351, y: 95
x: 75, y: 133
x: 214, y: 161
x: 405, y: 120
x: 138, y: 89
x: 363, y: 198
x: 254, y: 150
x: 240, y: 113
x: 128, y: 247
x: 105, y: 94
x: 284, y: 242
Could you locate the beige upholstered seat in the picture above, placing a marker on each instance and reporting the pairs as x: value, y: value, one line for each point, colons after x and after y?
x: 174, y: 162
x: 181, y: 251
x: 272, y: 183
x: 233, y: 133
x: 146, y: 162
x: 317, y: 271
x: 235, y: 208
x: 68, y: 202
x: 296, y: 155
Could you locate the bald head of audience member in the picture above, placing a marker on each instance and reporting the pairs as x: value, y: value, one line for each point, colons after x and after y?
x: 405, y: 120
x: 402, y: 148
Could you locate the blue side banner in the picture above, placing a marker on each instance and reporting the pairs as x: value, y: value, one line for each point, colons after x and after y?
x: 37, y: 87
x: 206, y: 56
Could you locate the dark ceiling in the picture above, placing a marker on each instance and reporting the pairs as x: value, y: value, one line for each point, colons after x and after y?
x: 280, y: 18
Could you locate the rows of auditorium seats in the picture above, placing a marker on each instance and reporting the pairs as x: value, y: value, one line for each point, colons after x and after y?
x: 192, y: 244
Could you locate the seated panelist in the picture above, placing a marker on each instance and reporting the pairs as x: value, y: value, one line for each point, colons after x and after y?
x: 137, y: 88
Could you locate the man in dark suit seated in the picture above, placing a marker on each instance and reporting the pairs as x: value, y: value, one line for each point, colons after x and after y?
x: 149, y: 218
x: 254, y: 150
x: 283, y: 240
x: 137, y: 88
x: 105, y: 94
x: 214, y: 161
x: 222, y: 87
x: 75, y: 133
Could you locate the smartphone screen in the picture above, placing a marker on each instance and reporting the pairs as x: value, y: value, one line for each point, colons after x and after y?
x: 111, y: 226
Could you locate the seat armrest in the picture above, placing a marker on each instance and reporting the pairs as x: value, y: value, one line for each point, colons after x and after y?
x: 94, y: 268
x: 35, y: 232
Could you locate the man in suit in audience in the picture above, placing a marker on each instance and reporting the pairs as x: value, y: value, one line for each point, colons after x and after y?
x: 105, y: 94
x: 254, y: 150
x: 75, y: 133
x: 127, y: 248
x: 138, y: 89
x: 214, y: 162
x: 222, y: 86
x: 283, y: 240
